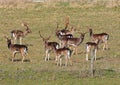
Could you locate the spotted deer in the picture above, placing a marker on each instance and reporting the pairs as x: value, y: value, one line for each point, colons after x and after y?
x: 62, y: 34
x: 17, y: 48
x: 18, y: 34
x: 65, y: 31
x: 63, y: 52
x: 75, y: 42
x: 48, y: 46
x: 102, y: 37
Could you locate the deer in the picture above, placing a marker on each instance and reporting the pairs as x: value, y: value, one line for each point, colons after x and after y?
x: 17, y: 48
x: 65, y: 31
x: 18, y: 34
x: 63, y: 34
x: 91, y: 47
x: 48, y: 46
x: 102, y: 37
x: 75, y: 42
x: 63, y: 52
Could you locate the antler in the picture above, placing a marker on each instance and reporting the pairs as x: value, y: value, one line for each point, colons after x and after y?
x: 66, y: 22
x: 57, y: 26
x: 24, y: 24
x: 41, y: 35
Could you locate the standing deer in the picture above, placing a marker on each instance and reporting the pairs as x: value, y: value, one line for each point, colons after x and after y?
x: 59, y: 53
x: 61, y: 34
x: 102, y: 37
x: 65, y: 31
x: 75, y: 42
x: 18, y: 34
x: 16, y: 48
x: 48, y: 46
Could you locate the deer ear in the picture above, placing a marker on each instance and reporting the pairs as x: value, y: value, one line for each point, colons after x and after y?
x: 41, y: 35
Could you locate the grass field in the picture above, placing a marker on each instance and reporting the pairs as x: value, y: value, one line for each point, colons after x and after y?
x: 44, y: 17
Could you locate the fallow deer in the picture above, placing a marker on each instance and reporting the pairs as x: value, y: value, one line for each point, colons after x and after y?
x: 91, y: 47
x: 103, y: 37
x: 48, y: 46
x: 16, y: 48
x: 63, y: 34
x: 75, y: 42
x: 59, y: 53
x: 18, y: 34
x: 65, y: 31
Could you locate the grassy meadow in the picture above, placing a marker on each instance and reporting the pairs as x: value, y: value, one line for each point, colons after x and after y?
x: 43, y: 17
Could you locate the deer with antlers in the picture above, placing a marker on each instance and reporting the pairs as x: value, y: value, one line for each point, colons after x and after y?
x: 75, y: 42
x: 16, y: 48
x: 102, y: 37
x: 65, y: 31
x: 62, y: 34
x: 18, y: 34
x: 91, y: 47
x: 48, y: 46
x: 59, y: 53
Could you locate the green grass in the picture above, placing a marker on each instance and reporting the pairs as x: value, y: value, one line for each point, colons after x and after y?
x: 40, y: 17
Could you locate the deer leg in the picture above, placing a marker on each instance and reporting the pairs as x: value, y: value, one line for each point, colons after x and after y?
x: 23, y: 57
x: 28, y: 56
x: 70, y: 60
x: 58, y: 57
x: 46, y: 55
x: 73, y: 51
x: 60, y: 61
x: 66, y: 61
x: 95, y: 53
x: 13, y: 56
x: 87, y: 53
x: 76, y: 51
x: 106, y: 45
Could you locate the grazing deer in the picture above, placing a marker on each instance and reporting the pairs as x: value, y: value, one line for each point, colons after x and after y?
x: 48, y: 46
x: 18, y: 34
x: 91, y: 47
x: 16, y: 48
x: 103, y: 37
x: 75, y: 42
x: 66, y: 52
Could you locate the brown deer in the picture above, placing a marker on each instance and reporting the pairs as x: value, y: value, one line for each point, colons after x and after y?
x: 66, y: 52
x: 61, y: 34
x: 75, y: 42
x: 102, y: 37
x: 65, y: 31
x: 16, y: 48
x: 18, y: 34
x: 48, y: 46
x: 91, y: 47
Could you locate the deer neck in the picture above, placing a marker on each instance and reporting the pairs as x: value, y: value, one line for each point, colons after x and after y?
x: 81, y: 40
x: 91, y: 33
x: 9, y: 45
